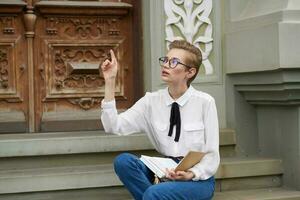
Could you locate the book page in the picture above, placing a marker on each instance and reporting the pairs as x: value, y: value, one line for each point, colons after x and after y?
x: 154, y: 168
x: 164, y: 163
x: 158, y: 165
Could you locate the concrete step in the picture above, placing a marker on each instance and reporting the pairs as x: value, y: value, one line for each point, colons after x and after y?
x: 12, y: 121
x: 120, y: 193
x: 92, y: 176
x: 52, y: 161
x: 107, y: 193
x: 259, y: 194
x: 40, y: 144
x: 240, y: 173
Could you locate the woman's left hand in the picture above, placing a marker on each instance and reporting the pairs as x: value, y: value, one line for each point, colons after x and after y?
x: 179, y: 175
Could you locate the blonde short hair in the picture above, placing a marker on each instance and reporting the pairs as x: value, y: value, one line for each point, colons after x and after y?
x: 195, y: 58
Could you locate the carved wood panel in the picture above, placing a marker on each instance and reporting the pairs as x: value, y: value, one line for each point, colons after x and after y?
x: 10, y: 67
x: 13, y: 77
x: 73, y: 69
x: 70, y: 47
x: 50, y: 53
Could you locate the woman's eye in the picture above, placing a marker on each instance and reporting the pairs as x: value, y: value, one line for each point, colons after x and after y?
x: 174, y: 62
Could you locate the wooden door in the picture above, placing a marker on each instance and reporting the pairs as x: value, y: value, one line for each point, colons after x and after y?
x: 69, y: 40
x: 13, y: 69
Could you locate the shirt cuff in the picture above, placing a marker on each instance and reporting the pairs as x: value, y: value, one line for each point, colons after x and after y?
x: 198, y: 174
x: 108, y: 104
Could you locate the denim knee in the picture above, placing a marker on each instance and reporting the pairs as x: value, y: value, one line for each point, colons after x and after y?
x: 151, y: 194
x: 122, y: 161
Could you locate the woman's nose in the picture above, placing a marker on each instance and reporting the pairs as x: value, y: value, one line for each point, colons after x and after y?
x: 166, y: 65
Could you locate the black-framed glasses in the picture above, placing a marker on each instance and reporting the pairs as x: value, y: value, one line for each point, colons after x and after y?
x: 173, y: 62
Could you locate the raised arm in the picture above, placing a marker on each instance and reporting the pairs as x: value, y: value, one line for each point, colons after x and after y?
x: 128, y: 122
x: 109, y: 70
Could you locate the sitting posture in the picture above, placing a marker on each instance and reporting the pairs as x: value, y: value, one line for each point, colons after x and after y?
x: 177, y: 119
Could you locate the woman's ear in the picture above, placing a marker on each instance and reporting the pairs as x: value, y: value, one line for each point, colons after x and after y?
x: 191, y: 72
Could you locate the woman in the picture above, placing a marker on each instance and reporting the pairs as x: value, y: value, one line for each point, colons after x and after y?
x: 177, y: 119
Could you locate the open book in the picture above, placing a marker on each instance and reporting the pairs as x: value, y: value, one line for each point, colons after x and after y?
x: 158, y: 165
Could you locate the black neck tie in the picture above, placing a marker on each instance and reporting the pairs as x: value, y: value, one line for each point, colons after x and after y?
x: 175, y: 120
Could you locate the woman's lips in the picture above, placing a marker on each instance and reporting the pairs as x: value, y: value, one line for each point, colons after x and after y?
x: 164, y: 73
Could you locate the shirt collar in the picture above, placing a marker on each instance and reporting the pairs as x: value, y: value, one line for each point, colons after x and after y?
x: 181, y: 100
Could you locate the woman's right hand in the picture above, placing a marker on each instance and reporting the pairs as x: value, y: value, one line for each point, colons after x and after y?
x: 110, y: 68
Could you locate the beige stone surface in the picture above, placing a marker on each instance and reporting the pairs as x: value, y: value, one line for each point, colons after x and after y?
x: 81, y: 142
x: 260, y: 194
x: 119, y: 193
x: 102, y: 175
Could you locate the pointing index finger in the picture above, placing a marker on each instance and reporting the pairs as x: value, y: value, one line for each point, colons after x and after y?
x: 112, y: 54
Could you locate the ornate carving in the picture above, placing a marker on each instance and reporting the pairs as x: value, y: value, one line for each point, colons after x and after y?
x: 42, y: 70
x: 113, y: 28
x: 72, y: 69
x: 85, y: 103
x: 83, y: 27
x: 10, y: 71
x: 8, y: 24
x: 66, y: 77
x: 80, y: 81
x: 4, y: 65
x: 189, y: 17
x: 51, y: 23
x: 29, y: 21
x: 22, y: 67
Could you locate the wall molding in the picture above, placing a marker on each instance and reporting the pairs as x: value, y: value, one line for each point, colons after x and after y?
x: 277, y: 87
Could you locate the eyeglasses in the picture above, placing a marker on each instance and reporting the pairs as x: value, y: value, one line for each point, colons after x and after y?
x: 173, y: 62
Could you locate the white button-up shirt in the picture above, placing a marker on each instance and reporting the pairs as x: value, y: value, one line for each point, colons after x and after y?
x: 151, y: 114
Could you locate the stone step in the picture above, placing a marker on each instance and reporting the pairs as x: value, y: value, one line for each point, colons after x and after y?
x: 12, y: 121
x: 92, y: 176
x: 51, y: 161
x: 106, y: 193
x: 259, y: 194
x: 240, y: 173
x: 40, y: 144
x: 120, y: 193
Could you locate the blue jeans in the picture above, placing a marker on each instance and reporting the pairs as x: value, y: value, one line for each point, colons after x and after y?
x: 137, y: 178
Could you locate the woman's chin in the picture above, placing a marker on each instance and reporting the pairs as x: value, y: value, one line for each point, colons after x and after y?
x: 165, y: 79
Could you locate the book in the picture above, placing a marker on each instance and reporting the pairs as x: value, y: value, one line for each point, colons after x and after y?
x: 158, y: 165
